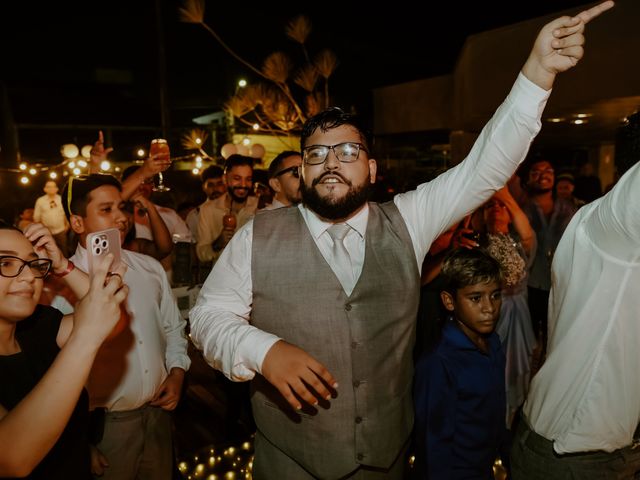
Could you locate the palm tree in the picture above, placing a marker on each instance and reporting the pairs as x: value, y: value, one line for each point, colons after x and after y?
x: 272, y: 104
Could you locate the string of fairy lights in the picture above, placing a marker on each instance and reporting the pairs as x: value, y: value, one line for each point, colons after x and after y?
x: 77, y: 162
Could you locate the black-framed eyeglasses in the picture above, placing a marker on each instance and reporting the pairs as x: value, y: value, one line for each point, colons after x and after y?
x: 346, y: 152
x: 295, y: 171
x: 11, y: 266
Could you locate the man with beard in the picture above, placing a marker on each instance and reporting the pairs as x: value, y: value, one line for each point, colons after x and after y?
x: 213, y: 234
x: 326, y: 293
x: 213, y: 187
x: 549, y: 216
x: 284, y: 179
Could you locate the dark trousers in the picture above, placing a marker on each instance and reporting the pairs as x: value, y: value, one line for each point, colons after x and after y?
x: 533, y: 458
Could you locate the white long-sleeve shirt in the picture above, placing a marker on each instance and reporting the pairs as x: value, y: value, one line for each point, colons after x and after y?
x: 129, y: 370
x: 220, y: 319
x: 586, y: 396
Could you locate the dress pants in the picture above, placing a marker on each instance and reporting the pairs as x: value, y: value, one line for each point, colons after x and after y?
x: 137, y: 444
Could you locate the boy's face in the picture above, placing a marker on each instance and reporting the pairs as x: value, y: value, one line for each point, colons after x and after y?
x: 104, y: 210
x: 476, y: 307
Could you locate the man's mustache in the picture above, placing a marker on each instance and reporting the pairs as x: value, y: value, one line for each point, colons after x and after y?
x: 327, y: 174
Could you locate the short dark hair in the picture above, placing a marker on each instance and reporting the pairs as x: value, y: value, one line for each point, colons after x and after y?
x: 334, y: 117
x: 76, y: 192
x: 463, y: 267
x: 212, y: 171
x: 276, y: 163
x: 236, y: 160
x: 530, y: 161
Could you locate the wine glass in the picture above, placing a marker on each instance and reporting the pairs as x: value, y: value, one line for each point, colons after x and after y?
x: 160, y: 150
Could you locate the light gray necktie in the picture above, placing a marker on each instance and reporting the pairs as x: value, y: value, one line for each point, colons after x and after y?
x: 341, y: 259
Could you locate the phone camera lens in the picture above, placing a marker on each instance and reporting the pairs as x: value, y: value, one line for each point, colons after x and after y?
x: 97, y: 251
x: 105, y: 244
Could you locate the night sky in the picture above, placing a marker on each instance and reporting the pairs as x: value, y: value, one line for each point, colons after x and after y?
x: 96, y: 62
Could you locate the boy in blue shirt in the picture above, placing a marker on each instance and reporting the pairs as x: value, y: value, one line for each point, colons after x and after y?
x: 459, y: 388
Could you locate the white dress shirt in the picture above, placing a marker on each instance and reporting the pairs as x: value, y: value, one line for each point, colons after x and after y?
x: 172, y: 220
x: 129, y: 370
x: 50, y: 213
x: 586, y: 396
x: 220, y: 320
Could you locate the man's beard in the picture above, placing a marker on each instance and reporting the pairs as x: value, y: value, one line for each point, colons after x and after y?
x: 332, y: 208
x: 236, y: 198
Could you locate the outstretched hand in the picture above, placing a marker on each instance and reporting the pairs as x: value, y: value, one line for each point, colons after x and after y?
x: 98, y: 153
x: 559, y: 46
x: 297, y: 375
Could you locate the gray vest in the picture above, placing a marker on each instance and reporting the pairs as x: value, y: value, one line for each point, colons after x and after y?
x: 365, y: 340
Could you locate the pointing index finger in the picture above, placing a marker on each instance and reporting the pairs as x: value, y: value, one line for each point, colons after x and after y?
x: 587, y: 15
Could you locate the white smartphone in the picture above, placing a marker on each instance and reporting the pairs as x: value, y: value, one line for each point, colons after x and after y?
x: 99, y: 244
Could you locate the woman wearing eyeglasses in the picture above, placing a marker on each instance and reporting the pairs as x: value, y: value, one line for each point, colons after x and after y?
x: 45, y: 358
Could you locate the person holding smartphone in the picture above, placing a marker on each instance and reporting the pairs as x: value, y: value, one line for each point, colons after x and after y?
x: 45, y: 357
x: 138, y: 377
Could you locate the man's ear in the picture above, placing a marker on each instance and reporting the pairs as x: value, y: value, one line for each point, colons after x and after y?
x: 274, y: 183
x: 447, y: 301
x: 373, y: 170
x: 77, y: 224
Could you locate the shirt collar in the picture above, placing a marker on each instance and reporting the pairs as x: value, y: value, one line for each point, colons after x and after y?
x: 317, y: 226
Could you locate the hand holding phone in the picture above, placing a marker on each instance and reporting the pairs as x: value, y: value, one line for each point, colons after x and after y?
x: 101, y: 243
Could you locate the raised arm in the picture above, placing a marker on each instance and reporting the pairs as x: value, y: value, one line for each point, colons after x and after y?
x: 162, y: 244
x: 30, y: 429
x: 46, y: 247
x: 98, y: 154
x: 503, y: 142
x: 519, y: 219
x: 149, y: 168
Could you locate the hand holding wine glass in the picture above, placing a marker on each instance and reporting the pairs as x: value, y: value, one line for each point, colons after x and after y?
x: 159, y: 152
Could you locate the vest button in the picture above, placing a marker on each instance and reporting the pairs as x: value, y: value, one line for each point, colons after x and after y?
x: 347, y: 307
x: 356, y: 383
x: 354, y: 345
x: 360, y: 457
x: 358, y: 419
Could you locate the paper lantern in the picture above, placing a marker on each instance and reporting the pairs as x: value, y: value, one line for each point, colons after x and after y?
x: 227, y: 150
x: 242, y: 150
x: 257, y: 151
x: 69, y: 150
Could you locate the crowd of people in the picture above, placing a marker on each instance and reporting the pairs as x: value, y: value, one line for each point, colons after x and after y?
x: 368, y: 332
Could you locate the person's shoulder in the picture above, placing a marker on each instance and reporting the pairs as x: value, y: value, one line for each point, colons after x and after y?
x: 43, y: 319
x: 217, y: 204
x: 136, y: 259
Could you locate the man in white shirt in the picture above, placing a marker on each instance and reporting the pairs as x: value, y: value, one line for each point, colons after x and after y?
x: 284, y: 179
x: 137, y: 376
x: 48, y: 211
x: 236, y: 203
x: 213, y: 186
x: 294, y: 298
x: 581, y: 416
